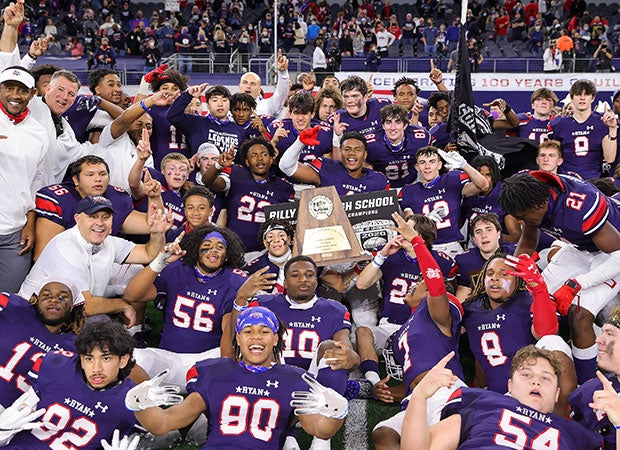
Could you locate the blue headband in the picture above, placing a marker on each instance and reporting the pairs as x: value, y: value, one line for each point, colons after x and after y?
x: 216, y: 235
x: 257, y: 315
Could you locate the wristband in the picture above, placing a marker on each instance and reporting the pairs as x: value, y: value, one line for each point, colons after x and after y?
x: 612, y: 138
x: 336, y: 140
x: 617, y: 427
x: 239, y: 307
x: 159, y: 263
x: 218, y: 166
x: 31, y: 57
x: 508, y: 109
x: 143, y: 104
x: 378, y: 261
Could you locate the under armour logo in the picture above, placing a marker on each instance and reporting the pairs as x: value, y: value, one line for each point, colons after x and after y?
x: 316, y: 319
x: 101, y: 407
x: 212, y: 291
x: 269, y: 193
x: 501, y: 317
x: 590, y: 127
x: 433, y: 273
x: 273, y: 384
x: 441, y: 191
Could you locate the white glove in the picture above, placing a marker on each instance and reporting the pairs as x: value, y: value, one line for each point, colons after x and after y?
x: 20, y: 416
x: 453, y: 160
x: 320, y: 400
x: 438, y: 213
x: 150, y: 393
x: 120, y: 444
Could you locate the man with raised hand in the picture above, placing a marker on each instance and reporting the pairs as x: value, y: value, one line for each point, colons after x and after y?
x: 86, y: 254
x: 250, y: 83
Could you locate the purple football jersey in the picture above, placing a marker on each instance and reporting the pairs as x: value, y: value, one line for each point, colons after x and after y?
x: 441, y: 135
x: 581, y: 412
x: 333, y: 173
x: 165, y: 137
x: 251, y: 132
x: 24, y: 340
x: 246, y: 201
x: 532, y: 128
x: 447, y: 191
x: 308, y: 152
x: 582, y: 144
x: 198, y: 129
x: 490, y: 421
x: 194, y: 309
x: 82, y: 415
x: 495, y: 335
x: 79, y: 116
x: 402, y: 273
x: 484, y: 204
x: 245, y: 410
x: 173, y: 201
x: 306, y: 328
x: 577, y: 210
x: 420, y: 344
x: 397, y: 163
x: 59, y: 202
x: 259, y: 263
x: 470, y: 263
x: 369, y: 122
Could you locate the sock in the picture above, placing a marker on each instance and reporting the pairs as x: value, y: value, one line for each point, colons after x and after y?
x: 370, y: 369
x: 335, y: 379
x: 585, y: 362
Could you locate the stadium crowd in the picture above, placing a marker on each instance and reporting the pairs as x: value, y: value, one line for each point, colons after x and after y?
x: 494, y: 279
x: 104, y: 29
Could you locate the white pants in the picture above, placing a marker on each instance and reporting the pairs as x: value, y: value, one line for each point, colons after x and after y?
x: 434, y: 406
x: 449, y: 248
x: 569, y: 262
x: 155, y: 360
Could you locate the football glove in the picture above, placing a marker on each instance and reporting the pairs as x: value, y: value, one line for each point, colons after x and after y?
x: 120, y: 444
x: 319, y: 400
x: 453, y: 160
x: 150, y: 393
x: 565, y: 295
x: 309, y: 136
x: 20, y: 416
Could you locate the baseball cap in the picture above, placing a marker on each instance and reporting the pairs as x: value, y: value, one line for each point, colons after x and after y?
x: 207, y: 148
x: 17, y: 74
x: 93, y: 203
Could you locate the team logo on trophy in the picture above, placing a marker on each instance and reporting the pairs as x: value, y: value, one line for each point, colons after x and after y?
x: 320, y: 207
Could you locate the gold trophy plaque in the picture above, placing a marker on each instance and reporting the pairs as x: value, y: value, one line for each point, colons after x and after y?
x: 323, y: 231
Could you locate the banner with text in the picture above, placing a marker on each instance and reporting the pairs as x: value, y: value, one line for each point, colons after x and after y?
x: 369, y: 214
x: 493, y: 81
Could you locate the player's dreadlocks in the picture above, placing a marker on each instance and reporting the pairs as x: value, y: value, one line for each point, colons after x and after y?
x: 522, y: 192
x: 74, y: 323
x: 234, y: 249
x: 478, y: 289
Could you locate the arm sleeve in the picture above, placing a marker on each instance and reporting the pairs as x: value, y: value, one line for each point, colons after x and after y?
x: 275, y: 103
x: 9, y: 59
x: 176, y: 113
x: 290, y: 158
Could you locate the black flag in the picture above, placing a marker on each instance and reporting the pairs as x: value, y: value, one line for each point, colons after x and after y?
x: 472, y: 131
